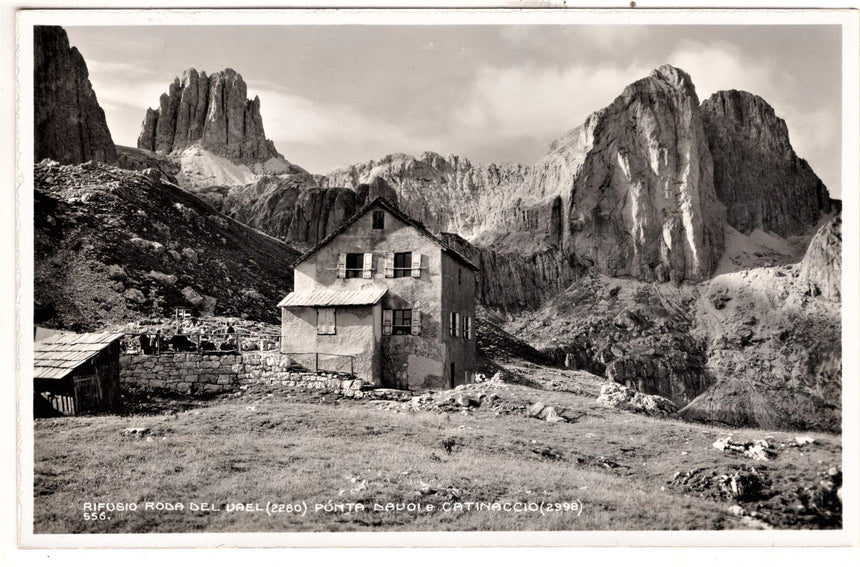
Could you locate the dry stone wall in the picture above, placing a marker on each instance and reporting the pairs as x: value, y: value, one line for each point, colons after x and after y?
x: 201, y: 373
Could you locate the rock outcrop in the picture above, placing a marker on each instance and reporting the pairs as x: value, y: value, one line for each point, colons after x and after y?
x: 821, y: 267
x: 757, y: 175
x: 70, y: 126
x: 212, y: 112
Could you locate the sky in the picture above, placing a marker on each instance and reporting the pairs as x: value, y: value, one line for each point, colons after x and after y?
x: 337, y: 95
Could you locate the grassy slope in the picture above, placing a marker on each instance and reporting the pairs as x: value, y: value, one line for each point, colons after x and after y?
x: 318, y: 449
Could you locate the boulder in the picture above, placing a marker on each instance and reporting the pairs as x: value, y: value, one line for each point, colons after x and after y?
x: 624, y: 398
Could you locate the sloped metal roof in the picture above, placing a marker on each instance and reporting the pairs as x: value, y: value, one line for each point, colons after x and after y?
x: 58, y: 355
x: 324, y: 297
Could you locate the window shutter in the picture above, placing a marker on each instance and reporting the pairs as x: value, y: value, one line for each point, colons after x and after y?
x: 467, y: 327
x: 389, y: 265
x: 367, y: 266
x: 416, y: 264
x: 387, y: 323
x: 341, y: 266
x: 416, y: 322
x: 457, y: 325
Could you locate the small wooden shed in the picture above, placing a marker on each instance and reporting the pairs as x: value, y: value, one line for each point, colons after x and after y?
x: 76, y: 374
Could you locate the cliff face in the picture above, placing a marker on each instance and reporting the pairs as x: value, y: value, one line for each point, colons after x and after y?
x: 641, y: 200
x: 212, y: 112
x: 295, y: 208
x: 757, y: 174
x: 446, y: 194
x: 70, y: 126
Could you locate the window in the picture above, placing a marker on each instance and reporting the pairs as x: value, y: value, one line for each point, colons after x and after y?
x: 325, y: 321
x: 467, y: 327
x: 378, y: 219
x: 401, y: 322
x: 402, y: 264
x: 454, y: 325
x: 354, y: 265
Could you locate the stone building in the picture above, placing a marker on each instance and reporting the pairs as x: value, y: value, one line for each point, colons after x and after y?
x: 385, y: 299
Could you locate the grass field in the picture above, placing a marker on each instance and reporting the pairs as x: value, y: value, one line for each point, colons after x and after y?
x: 275, y: 451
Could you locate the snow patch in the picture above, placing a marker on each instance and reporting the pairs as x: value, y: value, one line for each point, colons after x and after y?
x: 759, y: 248
x: 201, y: 168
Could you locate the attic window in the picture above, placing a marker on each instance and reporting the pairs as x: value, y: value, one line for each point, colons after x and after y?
x: 378, y: 219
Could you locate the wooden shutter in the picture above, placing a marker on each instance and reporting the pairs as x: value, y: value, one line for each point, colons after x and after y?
x: 387, y: 321
x: 416, y: 264
x: 325, y: 321
x: 367, y: 266
x: 416, y: 322
x: 457, y: 325
x: 341, y: 266
x: 389, y: 265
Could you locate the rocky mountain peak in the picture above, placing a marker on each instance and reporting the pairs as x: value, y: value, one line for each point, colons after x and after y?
x: 750, y: 117
x: 70, y: 126
x: 665, y: 80
x: 674, y: 76
x: 212, y: 112
x: 635, y: 185
x: 757, y: 174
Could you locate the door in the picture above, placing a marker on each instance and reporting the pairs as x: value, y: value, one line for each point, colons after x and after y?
x: 452, y: 374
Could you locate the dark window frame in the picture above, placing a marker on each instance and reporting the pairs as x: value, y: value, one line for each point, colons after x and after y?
x: 401, y: 321
x: 453, y: 326
x: 404, y: 270
x: 378, y: 220
x: 353, y: 271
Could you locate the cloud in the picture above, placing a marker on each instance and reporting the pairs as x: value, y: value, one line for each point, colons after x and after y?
x: 538, y: 101
x: 310, y: 132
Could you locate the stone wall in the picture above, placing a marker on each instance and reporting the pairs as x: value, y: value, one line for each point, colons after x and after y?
x: 196, y: 373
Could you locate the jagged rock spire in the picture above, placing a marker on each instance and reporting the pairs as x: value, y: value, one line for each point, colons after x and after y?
x: 211, y: 111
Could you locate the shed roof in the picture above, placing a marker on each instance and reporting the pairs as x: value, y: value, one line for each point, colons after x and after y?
x: 324, y: 297
x: 58, y: 355
x: 379, y: 201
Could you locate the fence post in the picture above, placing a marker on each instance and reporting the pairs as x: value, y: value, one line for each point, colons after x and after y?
x: 316, y: 362
x: 351, y: 366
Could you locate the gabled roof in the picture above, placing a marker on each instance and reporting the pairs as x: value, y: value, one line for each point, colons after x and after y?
x: 325, y: 297
x: 57, y: 356
x: 400, y: 215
